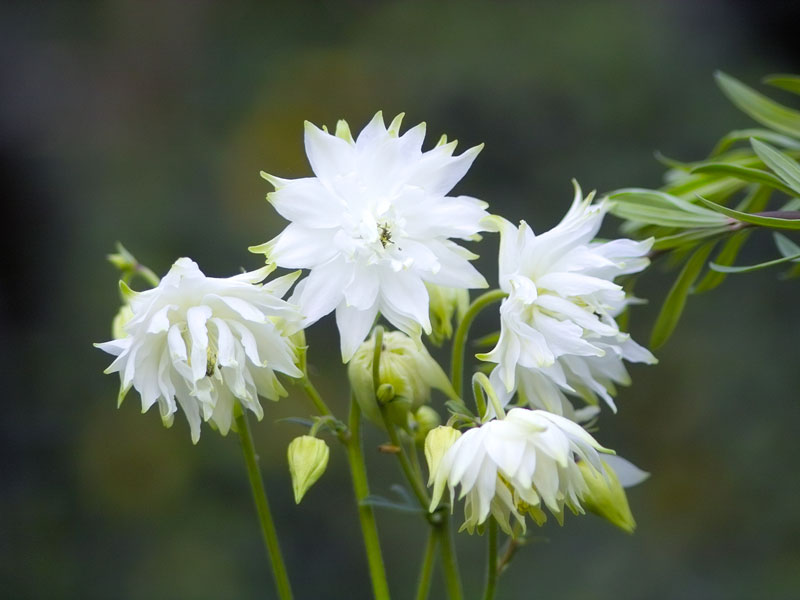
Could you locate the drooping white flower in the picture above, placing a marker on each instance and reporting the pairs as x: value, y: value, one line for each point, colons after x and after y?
x: 521, y: 463
x: 373, y: 225
x: 207, y: 343
x: 558, y: 332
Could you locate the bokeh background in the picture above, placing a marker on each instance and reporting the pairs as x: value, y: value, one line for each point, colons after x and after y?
x: 148, y: 122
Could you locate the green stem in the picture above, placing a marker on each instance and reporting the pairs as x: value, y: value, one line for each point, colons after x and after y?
x: 369, y: 529
x: 262, y: 507
x: 314, y: 396
x: 426, y: 570
x: 460, y: 338
x: 491, y: 567
x: 449, y: 561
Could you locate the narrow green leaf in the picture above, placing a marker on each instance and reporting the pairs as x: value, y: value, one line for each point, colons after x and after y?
x: 741, y: 135
x: 759, y: 107
x: 660, y: 208
x: 756, y: 200
x: 381, y: 502
x: 774, y: 222
x: 745, y: 174
x: 790, y: 83
x: 759, y: 266
x: 689, y: 237
x: 676, y: 299
x: 728, y: 253
x: 785, y: 246
x: 786, y: 168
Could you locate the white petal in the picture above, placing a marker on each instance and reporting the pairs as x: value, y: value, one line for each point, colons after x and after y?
x: 627, y: 473
x: 329, y: 155
x: 309, y: 203
x: 354, y: 325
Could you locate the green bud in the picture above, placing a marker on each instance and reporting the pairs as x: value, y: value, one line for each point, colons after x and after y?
x: 606, y: 497
x: 444, y: 303
x: 122, y: 259
x: 437, y: 442
x: 407, y: 373
x: 308, y: 458
x: 423, y: 421
x: 124, y: 314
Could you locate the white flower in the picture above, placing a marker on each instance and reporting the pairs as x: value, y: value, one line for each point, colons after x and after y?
x: 373, y: 226
x: 524, y: 462
x: 207, y: 342
x: 557, y: 326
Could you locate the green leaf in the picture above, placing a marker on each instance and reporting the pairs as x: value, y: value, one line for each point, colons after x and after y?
x: 756, y: 200
x: 676, y: 299
x: 728, y: 253
x: 660, y: 208
x: 759, y: 107
x: 406, y: 503
x: 785, y: 246
x: 686, y: 238
x: 790, y: 83
x: 786, y: 168
x: 745, y: 174
x: 759, y: 266
x: 774, y: 222
x: 741, y: 135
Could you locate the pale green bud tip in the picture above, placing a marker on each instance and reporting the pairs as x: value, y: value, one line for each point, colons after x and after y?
x: 437, y: 443
x: 424, y: 420
x: 445, y: 303
x: 308, y: 459
x: 124, y: 314
x: 606, y: 497
x: 122, y: 259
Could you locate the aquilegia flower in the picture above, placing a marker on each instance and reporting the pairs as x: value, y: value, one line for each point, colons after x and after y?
x: 557, y: 326
x: 207, y: 343
x: 521, y: 463
x: 373, y: 226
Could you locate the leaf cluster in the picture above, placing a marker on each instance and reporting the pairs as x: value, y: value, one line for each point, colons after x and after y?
x: 706, y: 212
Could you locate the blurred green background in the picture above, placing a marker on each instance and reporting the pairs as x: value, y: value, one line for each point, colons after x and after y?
x: 148, y: 122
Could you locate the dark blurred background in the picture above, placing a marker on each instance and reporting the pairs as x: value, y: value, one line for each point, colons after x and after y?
x: 148, y: 122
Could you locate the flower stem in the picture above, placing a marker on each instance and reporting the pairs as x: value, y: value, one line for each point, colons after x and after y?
x: 491, y: 567
x: 449, y: 561
x: 262, y: 507
x: 460, y: 338
x: 369, y: 529
x: 426, y: 570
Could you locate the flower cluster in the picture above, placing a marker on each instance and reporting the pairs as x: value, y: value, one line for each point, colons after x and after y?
x: 375, y: 229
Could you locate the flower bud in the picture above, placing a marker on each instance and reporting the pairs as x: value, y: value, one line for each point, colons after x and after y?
x: 308, y: 458
x: 124, y: 314
x: 407, y: 373
x: 423, y: 421
x: 444, y: 302
x: 606, y: 497
x: 437, y: 443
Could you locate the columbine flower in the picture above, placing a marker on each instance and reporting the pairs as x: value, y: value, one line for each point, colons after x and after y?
x: 208, y: 343
x: 558, y: 330
x: 373, y: 225
x: 523, y: 462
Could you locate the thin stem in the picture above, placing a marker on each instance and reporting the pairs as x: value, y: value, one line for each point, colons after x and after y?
x: 460, y: 338
x: 416, y: 482
x: 315, y: 397
x: 262, y: 507
x: 449, y: 561
x: 369, y: 529
x: 426, y: 570
x: 491, y: 567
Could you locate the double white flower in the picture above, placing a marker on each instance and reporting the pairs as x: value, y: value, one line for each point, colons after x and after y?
x: 208, y: 343
x: 373, y: 226
x: 558, y: 330
x: 521, y: 463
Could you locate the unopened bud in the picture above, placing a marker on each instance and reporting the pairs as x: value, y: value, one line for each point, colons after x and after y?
x: 124, y: 314
x: 445, y: 302
x: 423, y: 421
x: 406, y: 369
x: 308, y: 458
x: 606, y: 497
